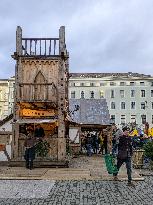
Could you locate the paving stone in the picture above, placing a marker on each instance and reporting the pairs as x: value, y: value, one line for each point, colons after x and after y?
x: 82, y: 192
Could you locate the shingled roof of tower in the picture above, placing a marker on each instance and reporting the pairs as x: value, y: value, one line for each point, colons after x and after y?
x: 91, y: 111
x: 100, y: 75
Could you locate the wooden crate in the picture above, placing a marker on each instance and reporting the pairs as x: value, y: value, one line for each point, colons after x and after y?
x: 138, y: 156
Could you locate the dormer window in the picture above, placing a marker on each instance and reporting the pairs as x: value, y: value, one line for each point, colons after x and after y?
x: 122, y: 83
x: 132, y: 83
x: 142, y: 83
x: 92, y: 84
x: 112, y: 83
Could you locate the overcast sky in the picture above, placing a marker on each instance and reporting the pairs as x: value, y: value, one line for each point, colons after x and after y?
x: 101, y: 35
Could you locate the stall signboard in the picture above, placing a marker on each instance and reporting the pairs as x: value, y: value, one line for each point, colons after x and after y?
x: 37, y: 113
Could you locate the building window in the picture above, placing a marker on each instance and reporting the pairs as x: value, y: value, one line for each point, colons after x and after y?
x: 151, y: 83
x: 82, y: 94
x: 122, y: 83
x: 143, y: 117
x: 72, y: 94
x: 133, y: 118
x: 112, y: 105
x: 82, y: 84
x: 142, y: 106
x: 142, y: 83
x: 142, y: 93
x: 101, y: 94
x: 151, y: 93
x: 132, y: 105
x: 123, y: 121
x: 123, y: 105
x: 102, y: 84
x: 92, y: 94
x: 112, y: 94
x: 132, y: 93
x: 152, y: 119
x: 132, y: 83
x: 112, y: 118
x: 151, y: 105
x: 92, y: 84
x: 122, y: 93
x: 73, y: 84
x: 112, y: 83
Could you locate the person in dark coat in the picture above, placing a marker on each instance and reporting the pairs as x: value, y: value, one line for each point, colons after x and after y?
x: 95, y: 143
x: 39, y: 132
x: 89, y: 143
x: 125, y: 154
x: 29, y: 145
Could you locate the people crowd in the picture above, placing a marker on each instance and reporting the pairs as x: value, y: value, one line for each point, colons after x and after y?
x: 138, y: 141
x: 94, y: 142
x: 123, y: 144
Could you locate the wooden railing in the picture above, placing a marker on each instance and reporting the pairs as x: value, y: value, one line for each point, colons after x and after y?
x: 40, y: 46
x: 37, y: 92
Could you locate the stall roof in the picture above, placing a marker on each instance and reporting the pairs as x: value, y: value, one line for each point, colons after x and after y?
x: 90, y: 112
x: 22, y: 121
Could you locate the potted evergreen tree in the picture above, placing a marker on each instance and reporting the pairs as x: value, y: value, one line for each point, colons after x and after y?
x: 148, y: 148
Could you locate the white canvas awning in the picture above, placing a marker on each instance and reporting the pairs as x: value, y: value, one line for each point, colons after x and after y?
x: 36, y: 121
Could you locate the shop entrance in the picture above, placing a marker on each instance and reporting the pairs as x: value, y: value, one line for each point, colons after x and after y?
x: 79, y: 134
x: 45, y: 150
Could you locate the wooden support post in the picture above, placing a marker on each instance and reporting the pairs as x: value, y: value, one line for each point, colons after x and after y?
x: 61, y: 98
x: 62, y: 39
x: 19, y: 41
x: 109, y: 139
x: 15, y: 140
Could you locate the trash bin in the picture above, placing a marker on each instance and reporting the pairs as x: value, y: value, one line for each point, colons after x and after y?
x: 138, y: 157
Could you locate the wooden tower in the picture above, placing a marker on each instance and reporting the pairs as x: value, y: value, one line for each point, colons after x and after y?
x: 41, y: 91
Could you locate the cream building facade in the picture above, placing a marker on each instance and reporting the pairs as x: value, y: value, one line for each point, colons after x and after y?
x: 6, y: 97
x: 129, y: 96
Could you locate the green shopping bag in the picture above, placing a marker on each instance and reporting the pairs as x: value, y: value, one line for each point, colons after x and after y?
x: 110, y: 164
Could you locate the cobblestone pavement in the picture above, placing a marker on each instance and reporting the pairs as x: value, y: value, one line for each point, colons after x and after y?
x: 96, y: 192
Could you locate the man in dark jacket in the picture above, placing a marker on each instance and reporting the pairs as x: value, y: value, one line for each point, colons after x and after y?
x: 89, y: 143
x: 39, y: 132
x: 125, y: 154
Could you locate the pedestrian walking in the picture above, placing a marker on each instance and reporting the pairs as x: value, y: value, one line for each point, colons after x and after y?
x: 125, y: 154
x: 29, y: 149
